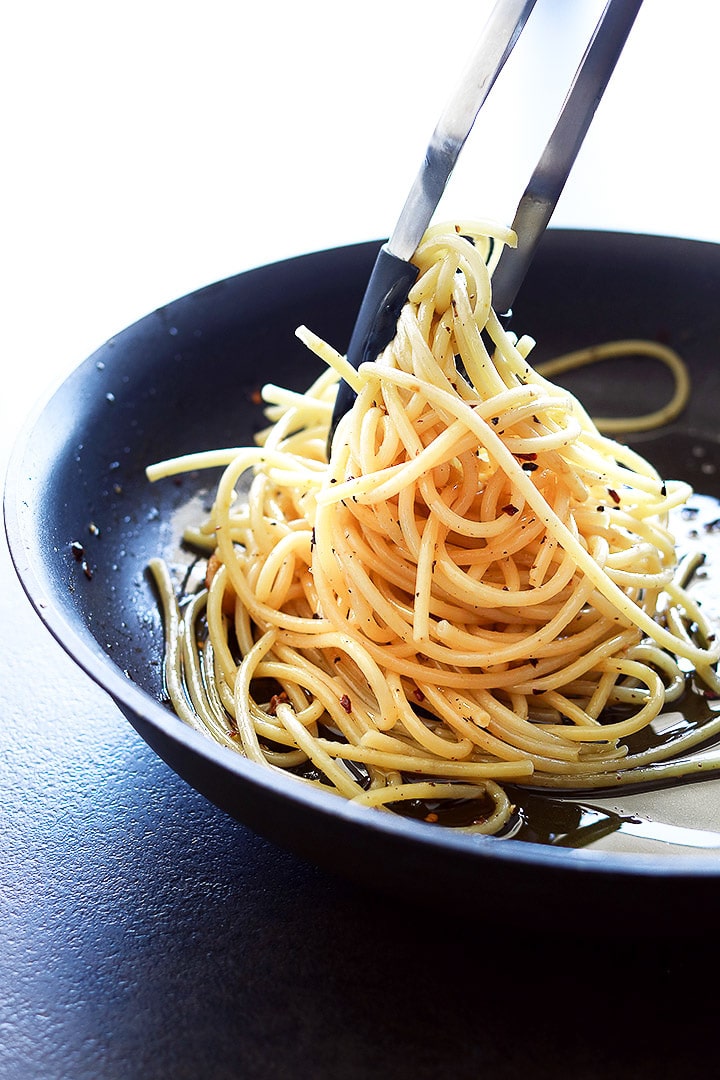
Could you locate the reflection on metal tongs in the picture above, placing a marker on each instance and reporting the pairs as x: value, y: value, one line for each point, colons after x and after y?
x: 393, y: 274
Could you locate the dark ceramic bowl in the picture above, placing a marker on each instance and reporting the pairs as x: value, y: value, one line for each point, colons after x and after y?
x: 185, y: 378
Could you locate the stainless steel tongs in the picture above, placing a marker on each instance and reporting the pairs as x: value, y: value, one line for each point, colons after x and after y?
x: 393, y: 274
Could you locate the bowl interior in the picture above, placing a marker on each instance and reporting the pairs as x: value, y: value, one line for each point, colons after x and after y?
x: 83, y: 521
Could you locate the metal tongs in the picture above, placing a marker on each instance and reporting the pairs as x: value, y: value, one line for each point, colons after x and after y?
x: 393, y: 274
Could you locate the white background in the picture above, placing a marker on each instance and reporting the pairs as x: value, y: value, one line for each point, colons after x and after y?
x: 151, y: 147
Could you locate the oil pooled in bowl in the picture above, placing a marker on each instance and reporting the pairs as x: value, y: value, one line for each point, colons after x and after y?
x: 570, y: 819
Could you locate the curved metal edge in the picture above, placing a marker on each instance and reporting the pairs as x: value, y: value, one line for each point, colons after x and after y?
x: 158, y: 726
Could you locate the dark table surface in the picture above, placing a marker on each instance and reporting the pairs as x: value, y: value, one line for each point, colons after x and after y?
x: 145, y: 934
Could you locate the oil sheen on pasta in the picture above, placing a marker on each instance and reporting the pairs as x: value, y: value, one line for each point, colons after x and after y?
x: 480, y: 593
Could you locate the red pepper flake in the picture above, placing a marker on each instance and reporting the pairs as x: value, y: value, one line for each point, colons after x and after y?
x: 77, y: 549
x: 526, y: 457
x: 613, y: 495
x: 432, y: 818
x: 256, y: 396
x: 418, y: 694
x: 510, y: 509
x: 346, y: 703
x: 275, y: 700
x: 529, y: 466
x: 86, y: 570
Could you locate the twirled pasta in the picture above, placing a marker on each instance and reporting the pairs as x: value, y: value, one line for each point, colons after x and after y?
x: 478, y: 587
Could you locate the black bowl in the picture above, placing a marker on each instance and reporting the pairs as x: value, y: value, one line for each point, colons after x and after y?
x: 82, y: 523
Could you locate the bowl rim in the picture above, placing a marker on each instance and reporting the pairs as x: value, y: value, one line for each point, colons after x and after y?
x: 128, y: 696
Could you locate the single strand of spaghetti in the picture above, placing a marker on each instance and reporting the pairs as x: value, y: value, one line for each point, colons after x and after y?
x: 519, y: 705
x: 423, y: 581
x: 630, y: 347
x: 452, y: 749
x: 664, y: 662
x: 376, y: 445
x: 601, y: 694
x: 511, y: 574
x: 429, y: 766
x: 490, y: 825
x: 621, y: 729
x: 426, y: 790
x: 278, y: 570
x: 311, y: 408
x: 475, y: 358
x: 331, y: 357
x: 707, y: 672
x: 203, y: 459
x: 425, y: 286
x: 408, y: 521
x: 337, y: 775
x: 243, y: 717
x: 217, y: 627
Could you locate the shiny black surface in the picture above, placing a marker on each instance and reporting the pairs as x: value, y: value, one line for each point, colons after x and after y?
x: 186, y: 378
x: 145, y: 933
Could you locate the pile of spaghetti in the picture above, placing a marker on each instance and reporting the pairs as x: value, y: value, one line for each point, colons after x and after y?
x: 478, y: 588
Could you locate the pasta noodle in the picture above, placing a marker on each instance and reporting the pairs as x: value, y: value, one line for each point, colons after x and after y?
x: 479, y: 587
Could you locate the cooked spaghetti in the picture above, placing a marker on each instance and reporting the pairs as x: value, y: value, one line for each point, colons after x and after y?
x: 479, y: 587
